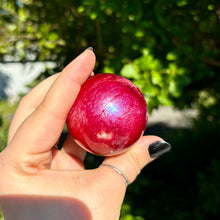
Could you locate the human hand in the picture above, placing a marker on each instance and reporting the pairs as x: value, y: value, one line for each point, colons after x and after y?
x: 34, y: 173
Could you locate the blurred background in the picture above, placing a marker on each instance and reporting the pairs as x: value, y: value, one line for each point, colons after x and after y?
x: 169, y: 49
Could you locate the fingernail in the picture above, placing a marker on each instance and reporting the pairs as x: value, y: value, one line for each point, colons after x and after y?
x: 89, y: 48
x: 158, y: 148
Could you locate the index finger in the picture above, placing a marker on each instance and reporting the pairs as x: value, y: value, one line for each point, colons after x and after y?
x: 40, y: 131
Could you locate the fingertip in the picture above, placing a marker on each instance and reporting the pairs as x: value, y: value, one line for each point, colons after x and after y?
x: 158, y: 148
x: 70, y: 147
x: 90, y: 51
x: 144, y: 151
x: 89, y: 48
x: 152, y: 146
x: 85, y: 63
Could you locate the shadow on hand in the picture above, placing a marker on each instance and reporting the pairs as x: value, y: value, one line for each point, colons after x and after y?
x: 32, y: 207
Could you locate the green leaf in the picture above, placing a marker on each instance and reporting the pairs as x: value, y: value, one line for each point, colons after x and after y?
x: 172, y: 69
x: 93, y: 16
x: 182, y: 3
x: 108, y: 69
x: 49, y: 45
x: 150, y: 90
x: 11, y: 27
x: 53, y: 36
x: 164, y: 99
x: 172, y: 56
x: 174, y: 89
x: 45, y: 28
x: 139, y: 33
x: 22, y: 16
x: 80, y: 9
x: 130, y: 71
x: 157, y: 78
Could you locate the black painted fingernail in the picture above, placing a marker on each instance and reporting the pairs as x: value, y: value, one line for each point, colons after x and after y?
x: 158, y: 148
x: 89, y: 48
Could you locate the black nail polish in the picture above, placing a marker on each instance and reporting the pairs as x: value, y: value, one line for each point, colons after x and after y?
x: 158, y: 148
x: 90, y: 48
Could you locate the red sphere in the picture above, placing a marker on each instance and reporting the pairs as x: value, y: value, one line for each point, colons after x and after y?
x: 108, y: 115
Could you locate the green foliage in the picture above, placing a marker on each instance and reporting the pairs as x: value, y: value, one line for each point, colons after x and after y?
x: 158, y: 83
x: 126, y: 213
x: 169, y: 48
x: 1, y: 216
x: 6, y: 114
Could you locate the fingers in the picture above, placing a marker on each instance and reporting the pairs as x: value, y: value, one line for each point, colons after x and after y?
x: 70, y: 147
x: 63, y: 161
x: 132, y: 162
x: 40, y: 131
x: 29, y: 104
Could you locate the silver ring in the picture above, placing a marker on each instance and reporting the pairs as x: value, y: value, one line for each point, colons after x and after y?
x: 127, y: 182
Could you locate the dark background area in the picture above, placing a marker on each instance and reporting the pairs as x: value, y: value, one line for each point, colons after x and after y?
x: 183, y: 183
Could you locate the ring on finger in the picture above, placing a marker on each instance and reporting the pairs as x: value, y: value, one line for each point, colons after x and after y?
x: 127, y: 182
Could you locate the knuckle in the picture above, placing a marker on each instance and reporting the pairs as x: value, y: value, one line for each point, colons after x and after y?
x: 134, y: 160
x: 25, y: 102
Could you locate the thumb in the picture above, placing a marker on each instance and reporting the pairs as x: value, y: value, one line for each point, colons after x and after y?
x: 145, y: 150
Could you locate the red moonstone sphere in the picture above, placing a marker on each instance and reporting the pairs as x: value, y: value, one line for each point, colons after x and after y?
x: 108, y: 115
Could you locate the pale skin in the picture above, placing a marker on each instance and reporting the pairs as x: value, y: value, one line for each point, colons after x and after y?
x: 34, y: 171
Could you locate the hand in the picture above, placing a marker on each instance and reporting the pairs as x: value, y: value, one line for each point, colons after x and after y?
x: 34, y: 173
